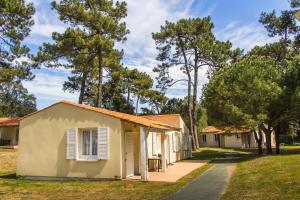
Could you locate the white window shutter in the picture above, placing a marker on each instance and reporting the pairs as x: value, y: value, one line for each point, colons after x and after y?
x: 103, y: 143
x: 174, y: 142
x: 154, y: 143
x: 71, y: 143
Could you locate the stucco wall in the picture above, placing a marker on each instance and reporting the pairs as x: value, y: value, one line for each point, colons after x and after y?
x: 9, y: 133
x: 42, y: 146
x: 210, y: 142
x: 232, y: 141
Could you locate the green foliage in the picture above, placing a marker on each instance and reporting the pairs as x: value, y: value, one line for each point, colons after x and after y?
x: 15, y: 23
x: 243, y: 93
x: 202, y: 122
x: 180, y: 106
x: 283, y: 25
x: 15, y: 100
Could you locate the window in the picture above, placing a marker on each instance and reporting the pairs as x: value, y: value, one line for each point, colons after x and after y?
x: 216, y: 137
x: 237, y: 136
x: 204, y: 138
x: 89, y: 144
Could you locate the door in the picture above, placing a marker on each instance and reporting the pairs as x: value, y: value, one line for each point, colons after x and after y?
x: 129, y: 148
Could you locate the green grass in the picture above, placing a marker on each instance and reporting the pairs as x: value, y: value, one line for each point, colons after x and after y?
x: 216, y: 153
x: 267, y: 177
x: 12, y: 188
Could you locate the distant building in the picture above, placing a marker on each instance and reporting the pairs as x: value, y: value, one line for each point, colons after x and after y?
x: 9, y: 132
x: 230, y: 137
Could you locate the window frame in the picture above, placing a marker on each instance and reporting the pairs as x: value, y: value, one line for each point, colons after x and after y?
x: 216, y: 137
x: 204, y: 139
x: 89, y: 157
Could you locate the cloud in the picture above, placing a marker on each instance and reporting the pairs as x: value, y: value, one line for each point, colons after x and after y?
x: 47, y: 86
x: 45, y: 23
x: 245, y: 36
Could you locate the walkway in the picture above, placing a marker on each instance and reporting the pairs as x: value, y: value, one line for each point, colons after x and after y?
x: 176, y: 171
x: 209, y: 186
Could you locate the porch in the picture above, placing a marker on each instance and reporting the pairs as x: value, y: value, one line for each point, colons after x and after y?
x: 174, y: 172
x: 150, y: 154
x: 9, y: 137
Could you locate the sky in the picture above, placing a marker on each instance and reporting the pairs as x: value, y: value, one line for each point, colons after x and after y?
x: 234, y: 20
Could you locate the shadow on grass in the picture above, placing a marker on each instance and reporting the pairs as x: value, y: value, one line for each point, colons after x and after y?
x: 8, y: 176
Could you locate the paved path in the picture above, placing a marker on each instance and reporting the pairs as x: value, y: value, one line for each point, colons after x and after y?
x: 209, y: 186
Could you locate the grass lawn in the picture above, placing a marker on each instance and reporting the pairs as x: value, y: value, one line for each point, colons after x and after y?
x: 267, y: 177
x: 12, y: 188
x: 216, y: 153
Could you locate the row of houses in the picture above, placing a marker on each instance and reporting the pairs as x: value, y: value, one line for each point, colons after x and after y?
x: 73, y: 140
x: 230, y: 137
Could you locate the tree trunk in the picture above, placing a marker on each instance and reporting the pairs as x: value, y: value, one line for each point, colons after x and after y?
x: 128, y: 95
x: 100, y: 84
x: 191, y: 118
x: 277, y: 138
x: 137, y: 105
x: 195, y: 113
x: 258, y: 139
x: 187, y: 70
x: 82, y: 87
x: 268, y: 135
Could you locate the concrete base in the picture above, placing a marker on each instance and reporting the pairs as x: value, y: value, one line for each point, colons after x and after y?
x: 43, y: 178
x: 8, y: 147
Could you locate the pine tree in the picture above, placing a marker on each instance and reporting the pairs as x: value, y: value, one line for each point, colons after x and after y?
x: 15, y: 23
x: 94, y: 27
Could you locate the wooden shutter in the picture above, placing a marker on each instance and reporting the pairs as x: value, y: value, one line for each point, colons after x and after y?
x: 71, y: 143
x: 103, y: 143
x: 174, y: 142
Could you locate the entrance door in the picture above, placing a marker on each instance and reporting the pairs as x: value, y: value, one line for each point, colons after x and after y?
x: 129, y: 147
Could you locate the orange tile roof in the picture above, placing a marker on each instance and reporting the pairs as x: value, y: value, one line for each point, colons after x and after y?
x: 211, y: 129
x: 9, y: 121
x: 170, y: 119
x: 226, y: 129
x: 127, y: 117
x: 234, y: 129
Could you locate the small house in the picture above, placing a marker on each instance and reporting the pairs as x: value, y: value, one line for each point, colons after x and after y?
x: 70, y: 140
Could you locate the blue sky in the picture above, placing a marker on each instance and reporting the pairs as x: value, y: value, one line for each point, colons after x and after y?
x: 234, y: 20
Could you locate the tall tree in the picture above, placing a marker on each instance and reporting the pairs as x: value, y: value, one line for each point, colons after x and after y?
x: 15, y: 22
x: 137, y: 84
x: 190, y: 44
x: 15, y: 100
x: 243, y: 93
x: 94, y: 27
x: 284, y: 51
